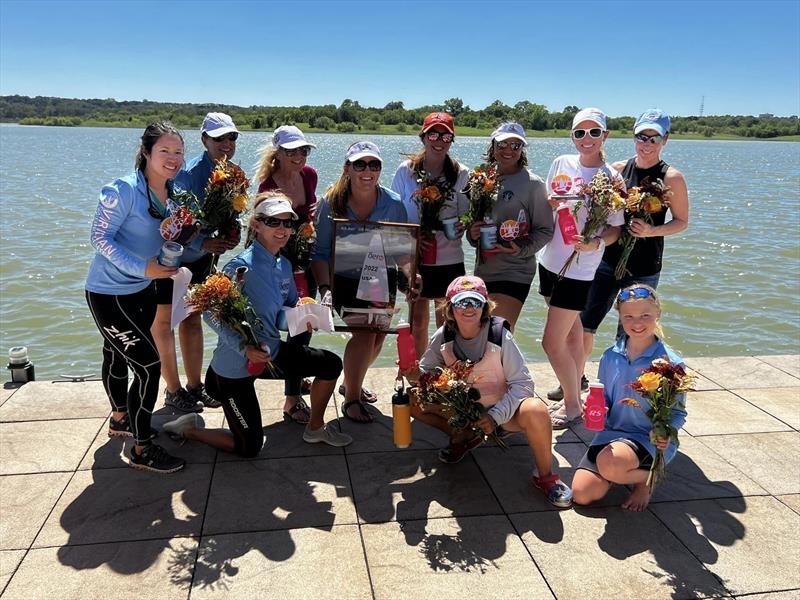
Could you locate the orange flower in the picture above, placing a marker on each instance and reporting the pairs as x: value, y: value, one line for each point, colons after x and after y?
x: 240, y: 202
x: 306, y: 230
x: 488, y: 185
x: 432, y: 193
x: 629, y: 402
x: 218, y: 176
x: 649, y: 381
x: 652, y: 204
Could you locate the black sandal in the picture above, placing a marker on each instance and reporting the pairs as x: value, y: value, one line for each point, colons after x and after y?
x: 293, y: 415
x: 368, y: 418
x: 366, y: 395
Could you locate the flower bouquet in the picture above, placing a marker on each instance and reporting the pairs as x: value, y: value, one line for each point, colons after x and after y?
x: 449, y: 387
x: 601, y: 197
x: 482, y: 189
x: 226, y: 199
x: 430, y: 197
x: 642, y: 202
x: 663, y: 385
x: 298, y: 251
x: 223, y: 299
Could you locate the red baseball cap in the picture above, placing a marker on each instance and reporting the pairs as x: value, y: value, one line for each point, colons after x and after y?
x: 467, y: 286
x: 438, y: 118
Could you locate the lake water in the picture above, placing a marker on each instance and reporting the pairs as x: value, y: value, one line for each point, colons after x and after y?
x: 730, y: 285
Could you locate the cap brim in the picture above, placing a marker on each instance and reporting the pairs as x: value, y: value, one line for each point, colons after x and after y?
x: 654, y: 126
x: 507, y: 136
x: 467, y: 294
x: 595, y: 121
x: 277, y: 210
x: 221, y: 131
x: 432, y: 125
x: 360, y: 155
x: 295, y: 144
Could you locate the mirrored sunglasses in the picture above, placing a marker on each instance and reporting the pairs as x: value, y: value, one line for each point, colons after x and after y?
x: 304, y: 150
x: 653, y: 139
x: 637, y: 292
x: 465, y: 303
x: 438, y: 135
x: 514, y: 145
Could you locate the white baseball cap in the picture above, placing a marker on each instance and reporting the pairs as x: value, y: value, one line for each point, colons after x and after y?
x: 362, y: 150
x: 508, y: 130
x: 277, y: 205
x: 216, y: 124
x: 289, y: 137
x: 595, y: 115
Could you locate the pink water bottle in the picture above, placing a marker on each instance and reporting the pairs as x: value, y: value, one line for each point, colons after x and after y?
x: 566, y: 223
x: 406, y: 351
x: 594, y: 416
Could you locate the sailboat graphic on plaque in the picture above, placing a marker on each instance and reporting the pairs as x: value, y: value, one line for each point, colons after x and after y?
x: 373, y: 285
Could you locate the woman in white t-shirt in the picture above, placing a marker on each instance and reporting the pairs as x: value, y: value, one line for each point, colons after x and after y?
x: 566, y: 296
x: 433, y: 165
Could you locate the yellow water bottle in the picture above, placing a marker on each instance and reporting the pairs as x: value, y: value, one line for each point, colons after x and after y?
x: 401, y: 416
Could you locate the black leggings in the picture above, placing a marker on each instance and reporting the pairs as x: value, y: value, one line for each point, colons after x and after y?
x: 124, y: 322
x: 238, y: 396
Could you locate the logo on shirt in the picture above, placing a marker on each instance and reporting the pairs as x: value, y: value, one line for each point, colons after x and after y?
x: 509, y: 230
x: 561, y: 184
x: 284, y: 287
x: 507, y: 195
x: 109, y: 200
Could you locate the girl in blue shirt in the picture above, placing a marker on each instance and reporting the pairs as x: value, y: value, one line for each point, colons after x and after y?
x: 623, y: 452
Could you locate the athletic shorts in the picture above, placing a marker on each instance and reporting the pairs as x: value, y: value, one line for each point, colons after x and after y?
x: 570, y: 294
x: 518, y: 291
x: 589, y: 460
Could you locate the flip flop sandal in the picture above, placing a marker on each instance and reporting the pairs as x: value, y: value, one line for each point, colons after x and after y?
x: 559, y: 422
x: 366, y: 395
x: 367, y: 418
x: 299, y: 413
x: 305, y: 386
x: 555, y: 406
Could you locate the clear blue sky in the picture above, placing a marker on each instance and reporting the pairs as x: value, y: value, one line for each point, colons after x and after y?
x: 744, y: 57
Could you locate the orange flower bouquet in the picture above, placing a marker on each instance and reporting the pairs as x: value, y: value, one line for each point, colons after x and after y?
x: 226, y: 199
x: 482, y: 188
x: 430, y: 197
x: 664, y: 385
x: 452, y: 389
x: 642, y: 202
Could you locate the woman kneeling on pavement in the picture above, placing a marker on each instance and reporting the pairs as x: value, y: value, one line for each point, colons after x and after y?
x: 269, y: 285
x: 471, y: 333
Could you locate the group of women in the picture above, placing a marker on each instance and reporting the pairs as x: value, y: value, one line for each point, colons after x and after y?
x: 475, y: 314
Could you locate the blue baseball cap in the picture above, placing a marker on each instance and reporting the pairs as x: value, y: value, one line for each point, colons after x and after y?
x: 653, y: 118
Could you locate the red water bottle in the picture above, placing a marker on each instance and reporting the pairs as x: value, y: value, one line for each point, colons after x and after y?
x: 406, y: 351
x: 594, y: 416
x: 566, y: 223
x: 256, y: 368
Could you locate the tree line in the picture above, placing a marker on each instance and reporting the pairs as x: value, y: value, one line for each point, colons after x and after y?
x: 350, y: 116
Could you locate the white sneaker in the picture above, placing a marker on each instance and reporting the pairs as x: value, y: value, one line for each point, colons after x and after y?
x: 326, y: 435
x: 176, y: 429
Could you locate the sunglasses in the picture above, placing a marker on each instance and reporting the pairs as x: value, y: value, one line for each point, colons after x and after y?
x: 304, y: 150
x: 465, y: 303
x: 644, y: 138
x: 275, y: 222
x: 637, y: 292
x: 516, y: 145
x: 153, y: 210
x: 361, y: 165
x: 594, y: 132
x: 228, y: 137
x: 438, y: 135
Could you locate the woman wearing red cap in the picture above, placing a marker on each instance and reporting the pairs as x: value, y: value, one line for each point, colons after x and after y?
x: 433, y: 166
x: 471, y: 333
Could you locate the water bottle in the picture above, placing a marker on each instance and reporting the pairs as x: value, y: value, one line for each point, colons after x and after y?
x: 594, y: 417
x: 401, y: 416
x: 406, y: 350
x: 170, y: 255
x: 566, y: 223
x: 20, y: 366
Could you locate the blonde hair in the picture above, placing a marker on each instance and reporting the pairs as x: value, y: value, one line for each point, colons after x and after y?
x: 268, y: 162
x: 653, y: 297
x: 338, y: 193
x: 251, y: 234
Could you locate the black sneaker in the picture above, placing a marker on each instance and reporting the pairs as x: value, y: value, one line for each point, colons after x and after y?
x: 558, y: 393
x: 198, y: 394
x: 122, y: 428
x: 182, y: 401
x: 155, y: 458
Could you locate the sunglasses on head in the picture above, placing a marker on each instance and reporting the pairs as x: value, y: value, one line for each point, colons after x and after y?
x: 361, y: 165
x: 644, y: 138
x: 228, y: 137
x: 304, y: 150
x: 274, y: 222
x: 465, y: 303
x: 594, y: 132
x: 438, y: 135
x: 637, y: 292
x: 515, y: 145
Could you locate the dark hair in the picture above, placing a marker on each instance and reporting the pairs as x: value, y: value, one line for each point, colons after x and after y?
x: 490, y: 157
x: 152, y: 133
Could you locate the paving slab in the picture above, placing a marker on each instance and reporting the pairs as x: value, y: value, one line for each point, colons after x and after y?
x: 792, y: 501
x: 749, y: 543
x: 296, y: 563
x: 785, y: 595
x: 44, y: 446
x: 612, y: 553
x: 47, y: 400
x: 742, y: 372
x: 769, y: 459
x: 698, y: 472
x: 782, y: 403
x: 113, y: 505
x: 789, y: 363
x: 466, y: 557
x: 378, y: 435
x: 7, y: 390
x: 390, y: 486
x: 703, y: 383
x: 25, y: 502
x: 281, y: 493
x: 153, y: 569
x: 718, y: 412
x: 9, y: 560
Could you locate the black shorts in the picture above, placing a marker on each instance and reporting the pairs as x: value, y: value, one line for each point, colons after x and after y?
x: 589, y: 460
x: 518, y: 291
x: 436, y: 278
x: 201, y: 268
x: 570, y: 294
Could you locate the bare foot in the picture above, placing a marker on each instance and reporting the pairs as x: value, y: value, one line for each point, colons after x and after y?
x: 639, y: 498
